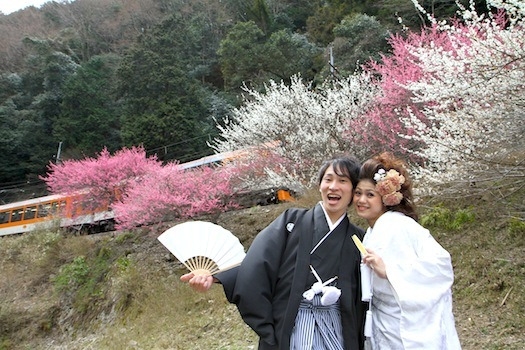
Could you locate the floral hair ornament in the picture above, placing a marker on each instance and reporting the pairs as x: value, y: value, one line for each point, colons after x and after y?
x: 388, y: 185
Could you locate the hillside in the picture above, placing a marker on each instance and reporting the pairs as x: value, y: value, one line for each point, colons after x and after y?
x: 121, y: 290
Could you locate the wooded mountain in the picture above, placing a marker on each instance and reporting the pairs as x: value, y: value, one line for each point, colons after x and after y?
x: 91, y: 74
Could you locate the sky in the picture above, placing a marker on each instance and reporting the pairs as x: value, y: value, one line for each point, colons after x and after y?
x: 8, y: 6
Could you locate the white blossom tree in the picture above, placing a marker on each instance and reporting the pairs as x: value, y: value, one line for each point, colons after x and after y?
x: 304, y: 126
x: 452, y: 95
x: 473, y: 92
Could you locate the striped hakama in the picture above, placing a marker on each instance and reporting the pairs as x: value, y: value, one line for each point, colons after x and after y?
x: 317, y: 327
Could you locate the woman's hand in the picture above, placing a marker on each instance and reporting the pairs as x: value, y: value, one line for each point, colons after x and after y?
x: 199, y: 283
x: 375, y: 262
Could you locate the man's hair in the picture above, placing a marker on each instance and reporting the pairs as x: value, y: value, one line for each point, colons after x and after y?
x: 343, y: 166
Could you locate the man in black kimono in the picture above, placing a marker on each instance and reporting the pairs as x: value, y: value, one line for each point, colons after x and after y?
x: 268, y: 287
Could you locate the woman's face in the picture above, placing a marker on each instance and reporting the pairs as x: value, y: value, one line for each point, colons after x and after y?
x: 336, y: 192
x: 367, y: 201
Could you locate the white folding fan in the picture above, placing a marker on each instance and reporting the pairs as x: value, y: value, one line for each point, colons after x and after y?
x: 204, y: 248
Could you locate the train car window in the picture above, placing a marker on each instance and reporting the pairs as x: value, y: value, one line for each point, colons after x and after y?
x: 62, y: 207
x: 4, y: 217
x: 30, y: 213
x: 53, y: 210
x: 43, y: 210
x: 17, y: 215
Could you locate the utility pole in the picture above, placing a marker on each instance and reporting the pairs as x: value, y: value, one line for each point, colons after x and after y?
x: 331, y: 62
x: 58, y: 152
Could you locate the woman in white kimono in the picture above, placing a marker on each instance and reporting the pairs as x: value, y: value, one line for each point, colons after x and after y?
x: 411, y: 279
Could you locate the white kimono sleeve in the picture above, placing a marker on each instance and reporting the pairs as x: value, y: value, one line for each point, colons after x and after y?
x: 420, y: 273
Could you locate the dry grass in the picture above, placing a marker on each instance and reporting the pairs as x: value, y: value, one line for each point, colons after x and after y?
x: 133, y: 299
x: 173, y: 317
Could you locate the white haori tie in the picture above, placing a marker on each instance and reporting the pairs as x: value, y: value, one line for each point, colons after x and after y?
x: 331, y: 294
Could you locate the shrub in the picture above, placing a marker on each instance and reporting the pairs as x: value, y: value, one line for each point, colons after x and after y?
x: 445, y: 218
x: 72, y: 275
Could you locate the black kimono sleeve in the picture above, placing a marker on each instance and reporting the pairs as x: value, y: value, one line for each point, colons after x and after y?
x: 255, y: 280
x: 227, y: 279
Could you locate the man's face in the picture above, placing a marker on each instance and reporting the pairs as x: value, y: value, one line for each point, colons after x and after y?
x: 336, y: 193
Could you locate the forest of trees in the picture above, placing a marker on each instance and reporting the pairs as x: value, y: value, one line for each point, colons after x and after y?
x: 95, y: 74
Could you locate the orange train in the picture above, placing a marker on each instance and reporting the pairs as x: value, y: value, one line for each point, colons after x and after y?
x: 24, y: 216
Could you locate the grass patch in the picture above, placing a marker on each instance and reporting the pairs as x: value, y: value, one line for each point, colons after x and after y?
x: 447, y: 218
x: 516, y: 230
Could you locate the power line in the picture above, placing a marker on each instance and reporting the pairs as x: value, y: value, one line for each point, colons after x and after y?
x: 184, y: 157
x: 179, y: 143
x: 27, y: 186
x: 20, y: 184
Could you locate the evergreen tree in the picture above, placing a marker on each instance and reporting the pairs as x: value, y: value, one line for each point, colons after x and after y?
x: 31, y: 107
x: 248, y: 57
x: 358, y: 38
x: 165, y: 102
x: 89, y: 118
x: 240, y: 54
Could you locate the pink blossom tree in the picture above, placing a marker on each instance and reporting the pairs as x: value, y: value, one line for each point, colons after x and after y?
x: 140, y: 190
x: 100, y: 179
x: 382, y: 128
x: 451, y: 96
x: 172, y: 192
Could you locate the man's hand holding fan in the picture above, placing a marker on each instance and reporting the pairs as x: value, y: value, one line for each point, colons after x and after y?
x: 205, y: 249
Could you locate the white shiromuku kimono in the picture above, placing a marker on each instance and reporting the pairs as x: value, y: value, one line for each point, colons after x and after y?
x: 412, y: 309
